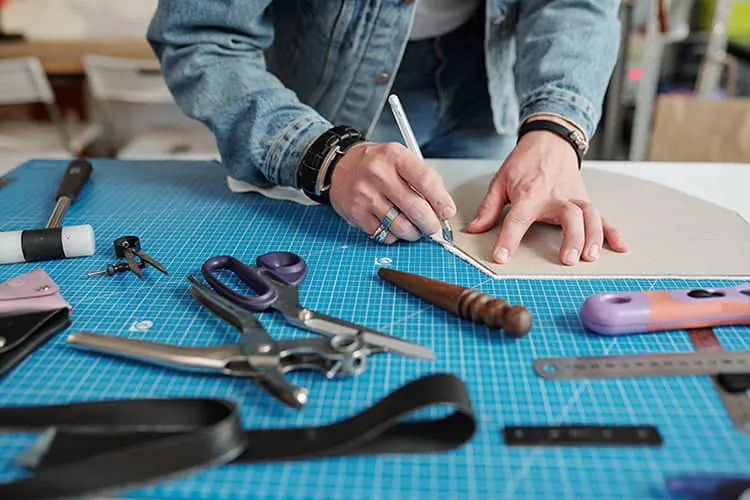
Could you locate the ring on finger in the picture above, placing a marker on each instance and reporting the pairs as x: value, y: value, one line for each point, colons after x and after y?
x: 380, y: 234
x: 386, y: 221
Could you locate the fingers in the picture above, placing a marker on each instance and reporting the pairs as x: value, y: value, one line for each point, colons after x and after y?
x: 490, y: 209
x: 517, y: 221
x: 592, y: 220
x: 583, y: 230
x: 424, y: 179
x: 371, y: 224
x: 613, y: 237
x: 417, y: 216
x: 574, y: 232
x: 401, y: 227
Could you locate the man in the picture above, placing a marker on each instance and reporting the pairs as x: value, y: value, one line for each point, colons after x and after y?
x: 295, y: 91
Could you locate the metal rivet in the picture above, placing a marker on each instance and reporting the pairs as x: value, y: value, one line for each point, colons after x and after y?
x: 2, y: 342
x: 43, y: 288
x: 305, y: 315
x: 383, y: 78
x: 263, y: 348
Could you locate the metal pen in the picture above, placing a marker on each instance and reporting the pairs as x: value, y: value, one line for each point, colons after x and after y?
x: 411, y: 142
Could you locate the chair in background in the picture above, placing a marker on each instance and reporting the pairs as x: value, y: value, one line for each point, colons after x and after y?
x: 23, y: 81
x: 140, y: 115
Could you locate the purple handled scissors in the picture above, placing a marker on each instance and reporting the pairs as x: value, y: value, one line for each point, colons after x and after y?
x: 275, y: 279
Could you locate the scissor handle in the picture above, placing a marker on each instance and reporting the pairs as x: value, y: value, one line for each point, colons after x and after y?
x: 287, y: 267
x: 266, y: 293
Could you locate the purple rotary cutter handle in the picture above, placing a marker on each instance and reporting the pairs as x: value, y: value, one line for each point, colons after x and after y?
x: 620, y: 313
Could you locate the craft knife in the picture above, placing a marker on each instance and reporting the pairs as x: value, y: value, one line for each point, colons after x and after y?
x: 76, y: 175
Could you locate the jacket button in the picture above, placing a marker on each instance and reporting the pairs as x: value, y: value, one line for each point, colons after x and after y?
x: 382, y: 78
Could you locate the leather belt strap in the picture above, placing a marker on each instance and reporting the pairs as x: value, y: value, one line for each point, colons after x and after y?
x: 109, y: 445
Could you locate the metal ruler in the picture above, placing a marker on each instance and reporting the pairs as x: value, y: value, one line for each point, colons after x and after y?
x: 709, y: 359
x: 643, y: 365
x: 737, y: 405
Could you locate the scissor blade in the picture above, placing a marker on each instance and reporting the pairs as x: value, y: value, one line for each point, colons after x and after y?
x: 150, y: 260
x: 330, y: 326
x: 132, y: 264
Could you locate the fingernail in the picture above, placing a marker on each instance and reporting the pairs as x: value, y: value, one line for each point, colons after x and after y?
x: 571, y: 256
x: 594, y: 251
x: 501, y: 255
x: 447, y: 213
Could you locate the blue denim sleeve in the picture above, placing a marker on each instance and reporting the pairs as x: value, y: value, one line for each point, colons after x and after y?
x: 566, y: 51
x: 212, y: 58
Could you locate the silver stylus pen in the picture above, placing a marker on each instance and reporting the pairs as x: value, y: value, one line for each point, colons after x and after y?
x: 411, y: 143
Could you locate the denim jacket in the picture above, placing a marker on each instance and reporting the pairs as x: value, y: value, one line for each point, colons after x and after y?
x: 268, y: 76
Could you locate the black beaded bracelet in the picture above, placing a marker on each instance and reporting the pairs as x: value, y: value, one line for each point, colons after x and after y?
x: 319, y: 160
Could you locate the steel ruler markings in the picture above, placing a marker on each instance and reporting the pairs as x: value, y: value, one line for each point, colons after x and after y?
x: 709, y: 359
x: 737, y: 405
x: 643, y: 365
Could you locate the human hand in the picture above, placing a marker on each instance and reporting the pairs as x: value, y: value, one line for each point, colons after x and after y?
x: 541, y: 181
x: 371, y: 178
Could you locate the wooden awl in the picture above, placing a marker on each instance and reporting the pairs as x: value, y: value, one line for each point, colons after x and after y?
x: 466, y: 303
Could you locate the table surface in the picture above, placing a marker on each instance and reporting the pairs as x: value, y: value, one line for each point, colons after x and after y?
x: 64, y: 57
x: 150, y: 199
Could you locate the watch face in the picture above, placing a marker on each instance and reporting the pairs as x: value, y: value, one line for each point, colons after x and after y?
x: 579, y: 140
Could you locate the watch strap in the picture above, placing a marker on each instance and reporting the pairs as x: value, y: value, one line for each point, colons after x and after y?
x: 335, y: 140
x: 576, y: 140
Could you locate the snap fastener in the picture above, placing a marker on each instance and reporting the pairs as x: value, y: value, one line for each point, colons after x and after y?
x: 382, y: 78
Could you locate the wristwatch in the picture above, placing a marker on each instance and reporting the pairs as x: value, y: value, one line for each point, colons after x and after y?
x: 574, y: 137
x: 316, y: 166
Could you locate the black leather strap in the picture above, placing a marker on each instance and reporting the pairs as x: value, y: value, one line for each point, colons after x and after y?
x: 572, y: 136
x: 342, y: 137
x: 112, y: 445
x: 22, y: 334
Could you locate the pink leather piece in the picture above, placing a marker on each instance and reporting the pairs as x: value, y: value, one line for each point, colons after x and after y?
x: 31, y: 292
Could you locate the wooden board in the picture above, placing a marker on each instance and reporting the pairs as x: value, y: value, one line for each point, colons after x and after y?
x: 63, y: 57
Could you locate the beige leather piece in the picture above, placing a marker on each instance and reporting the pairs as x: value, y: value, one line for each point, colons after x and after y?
x: 669, y: 233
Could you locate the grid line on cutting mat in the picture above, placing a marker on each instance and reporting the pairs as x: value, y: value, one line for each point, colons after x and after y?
x: 184, y: 213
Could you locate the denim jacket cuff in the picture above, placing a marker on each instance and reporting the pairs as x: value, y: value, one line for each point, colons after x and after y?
x: 289, y: 145
x: 563, y: 103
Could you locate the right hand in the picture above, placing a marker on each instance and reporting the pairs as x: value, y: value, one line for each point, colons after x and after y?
x: 371, y: 178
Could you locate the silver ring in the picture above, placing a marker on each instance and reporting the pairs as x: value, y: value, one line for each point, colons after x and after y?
x: 380, y: 234
x: 389, y: 217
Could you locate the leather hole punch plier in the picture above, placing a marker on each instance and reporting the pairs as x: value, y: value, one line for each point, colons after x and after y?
x: 258, y: 356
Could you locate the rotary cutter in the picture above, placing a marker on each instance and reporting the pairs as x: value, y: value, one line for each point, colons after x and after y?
x: 621, y: 313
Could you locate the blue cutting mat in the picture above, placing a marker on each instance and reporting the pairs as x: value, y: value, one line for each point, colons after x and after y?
x: 184, y: 213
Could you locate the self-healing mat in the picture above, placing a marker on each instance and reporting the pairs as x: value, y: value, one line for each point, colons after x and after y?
x: 184, y: 213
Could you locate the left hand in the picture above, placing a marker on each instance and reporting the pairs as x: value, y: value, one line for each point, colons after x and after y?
x: 541, y: 181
